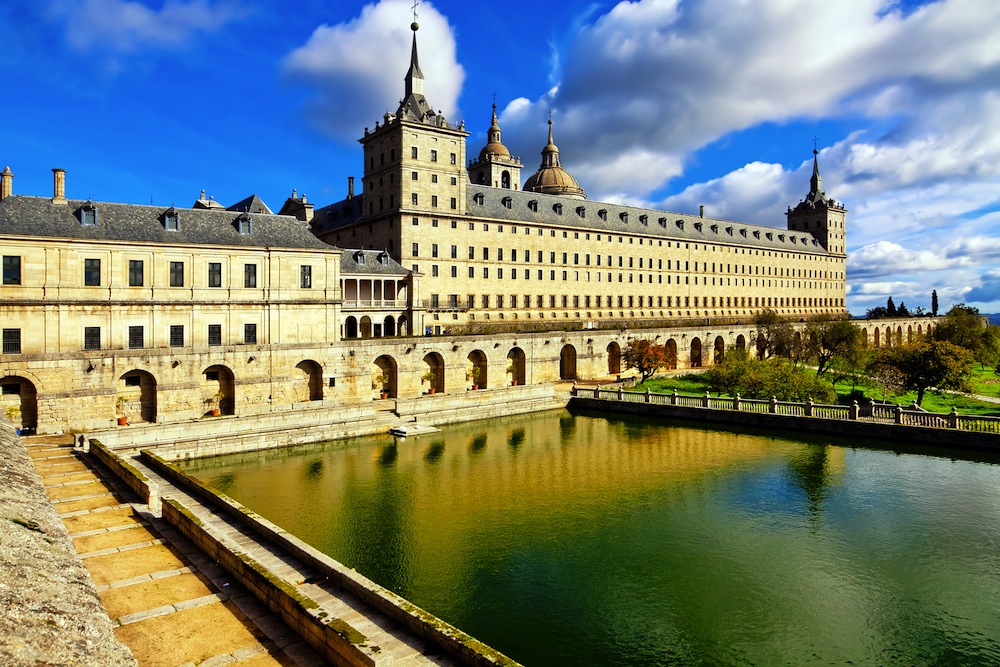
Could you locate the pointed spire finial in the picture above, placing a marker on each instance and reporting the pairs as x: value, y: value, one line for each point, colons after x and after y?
x: 415, y: 26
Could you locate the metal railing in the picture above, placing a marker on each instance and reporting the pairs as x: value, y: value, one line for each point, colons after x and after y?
x: 871, y: 412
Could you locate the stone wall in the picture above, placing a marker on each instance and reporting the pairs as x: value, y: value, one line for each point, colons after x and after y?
x: 51, y: 612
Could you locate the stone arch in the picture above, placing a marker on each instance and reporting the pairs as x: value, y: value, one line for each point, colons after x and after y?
x: 505, y: 180
x: 477, y: 369
x: 741, y: 342
x: 433, y: 375
x: 920, y: 330
x: 19, y: 395
x: 888, y: 336
x: 720, y: 350
x: 403, y: 326
x: 389, y: 326
x: 516, y: 366
x: 481, y: 178
x: 385, y: 376
x: 878, y: 336
x: 218, y: 389
x: 899, y: 335
x: 909, y: 333
x: 365, y: 327
x: 671, y: 346
x: 614, y: 358
x: 864, y: 337
x: 309, y: 386
x: 567, y: 363
x: 695, y: 352
x: 761, y: 346
x: 135, y: 396
x: 351, y: 327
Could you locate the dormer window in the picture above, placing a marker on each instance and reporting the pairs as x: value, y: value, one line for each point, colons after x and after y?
x: 623, y: 216
x: 533, y: 206
x: 679, y: 223
x: 663, y: 222
x: 793, y: 239
x: 88, y: 214
x: 172, y: 220
x: 729, y: 230
x: 756, y: 234
x: 697, y: 226
x: 507, y: 202
x: 715, y: 229
x: 602, y: 214
x: 383, y: 258
x: 644, y: 219
x: 244, y: 224
x: 581, y: 211
x: 478, y: 198
x: 781, y: 237
x: 557, y: 208
x: 743, y: 233
x: 359, y: 257
x: 770, y: 237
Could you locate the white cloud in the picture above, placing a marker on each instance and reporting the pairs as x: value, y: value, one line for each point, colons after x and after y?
x: 126, y: 26
x: 356, y: 69
x: 885, y: 258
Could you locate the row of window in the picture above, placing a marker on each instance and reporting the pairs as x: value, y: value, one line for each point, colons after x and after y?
x: 563, y: 301
x: 137, y: 273
x: 92, y: 338
x: 414, y: 154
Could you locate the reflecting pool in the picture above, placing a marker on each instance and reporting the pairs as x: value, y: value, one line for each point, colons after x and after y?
x: 578, y: 539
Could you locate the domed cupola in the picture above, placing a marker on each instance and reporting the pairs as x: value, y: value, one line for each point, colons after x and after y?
x: 495, y: 166
x: 551, y: 178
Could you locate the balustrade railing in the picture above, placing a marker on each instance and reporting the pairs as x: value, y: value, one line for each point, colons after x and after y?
x: 872, y: 412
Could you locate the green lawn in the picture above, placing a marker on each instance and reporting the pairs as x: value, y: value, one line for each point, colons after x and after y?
x: 983, y: 382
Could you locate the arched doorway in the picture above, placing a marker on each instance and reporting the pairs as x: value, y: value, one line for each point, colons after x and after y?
x: 515, y: 366
x: 695, y: 353
x: 909, y: 333
x: 218, y: 390
x: 505, y: 180
x: 366, y: 327
x: 899, y: 335
x: 389, y: 326
x: 614, y: 358
x: 433, y: 375
x: 384, y: 376
x: 310, y: 386
x: 567, y: 363
x: 476, y: 371
x: 671, y: 354
x: 741, y: 342
x: 403, y: 326
x: 878, y: 335
x: 351, y: 327
x: 135, y: 397
x: 864, y: 337
x: 720, y: 350
x: 19, y: 401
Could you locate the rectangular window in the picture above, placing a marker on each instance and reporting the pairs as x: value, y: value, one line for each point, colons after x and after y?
x: 413, y: 152
x: 454, y: 252
x: 176, y: 335
x: 92, y: 338
x: 250, y: 334
x: 250, y: 275
x: 215, y: 334
x: 434, y: 270
x: 472, y: 252
x: 92, y: 272
x: 454, y: 201
x: 434, y: 155
x: 135, y: 273
x: 12, y: 341
x: 414, y: 199
x: 177, y: 274
x: 306, y: 277
x: 470, y: 300
x: 136, y: 338
x: 415, y: 251
x: 413, y: 175
x: 434, y: 250
x: 434, y: 201
x: 454, y: 272
x: 215, y: 274
x: 453, y: 158
x: 11, y: 270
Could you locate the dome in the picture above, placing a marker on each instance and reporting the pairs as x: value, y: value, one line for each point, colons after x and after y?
x: 551, y: 178
x: 495, y: 146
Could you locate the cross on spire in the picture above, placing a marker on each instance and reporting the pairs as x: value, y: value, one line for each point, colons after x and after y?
x: 815, y: 144
x: 414, y: 8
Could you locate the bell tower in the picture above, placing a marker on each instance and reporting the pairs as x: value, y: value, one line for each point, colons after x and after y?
x: 820, y: 216
x: 495, y: 166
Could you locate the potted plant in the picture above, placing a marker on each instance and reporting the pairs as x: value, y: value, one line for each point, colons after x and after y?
x: 120, y: 405
x: 13, y: 413
x: 428, y: 377
x: 378, y: 382
x: 214, y: 404
x: 473, y: 375
x: 510, y: 371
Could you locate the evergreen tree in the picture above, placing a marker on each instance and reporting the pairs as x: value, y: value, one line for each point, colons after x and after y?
x: 890, y: 307
x: 934, y: 303
x: 902, y: 311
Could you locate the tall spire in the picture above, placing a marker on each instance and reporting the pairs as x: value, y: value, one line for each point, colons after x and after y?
x: 414, y: 77
x: 550, y: 154
x: 815, y: 183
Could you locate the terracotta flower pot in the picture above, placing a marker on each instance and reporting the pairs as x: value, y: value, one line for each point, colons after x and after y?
x: 123, y: 421
x: 214, y: 412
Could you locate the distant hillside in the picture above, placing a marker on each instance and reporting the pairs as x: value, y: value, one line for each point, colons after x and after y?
x: 994, y: 318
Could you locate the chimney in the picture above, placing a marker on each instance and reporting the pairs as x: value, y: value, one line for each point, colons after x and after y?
x: 58, y: 186
x: 350, y: 187
x: 701, y: 211
x: 6, y: 183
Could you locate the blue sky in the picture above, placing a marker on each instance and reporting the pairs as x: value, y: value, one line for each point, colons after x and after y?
x: 671, y: 104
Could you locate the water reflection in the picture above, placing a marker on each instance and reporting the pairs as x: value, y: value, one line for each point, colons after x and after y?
x: 589, y: 540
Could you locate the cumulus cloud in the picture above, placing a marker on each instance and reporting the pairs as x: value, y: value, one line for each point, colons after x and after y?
x: 988, y: 290
x: 886, y: 258
x: 126, y: 26
x: 355, y: 70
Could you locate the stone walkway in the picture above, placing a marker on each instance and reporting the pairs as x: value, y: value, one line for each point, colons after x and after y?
x: 169, y: 604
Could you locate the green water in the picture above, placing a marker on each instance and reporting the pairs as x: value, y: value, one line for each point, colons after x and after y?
x: 567, y: 539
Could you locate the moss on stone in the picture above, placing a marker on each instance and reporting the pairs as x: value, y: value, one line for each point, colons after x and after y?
x: 27, y: 523
x: 345, y: 630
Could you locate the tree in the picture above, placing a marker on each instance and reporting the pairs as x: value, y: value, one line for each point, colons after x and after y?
x: 727, y: 377
x: 890, y: 307
x: 740, y: 373
x: 963, y: 326
x: 774, y: 336
x: 647, y: 357
x: 877, y: 313
x: 827, y: 339
x: 902, y: 311
x: 934, y: 303
x: 925, y: 364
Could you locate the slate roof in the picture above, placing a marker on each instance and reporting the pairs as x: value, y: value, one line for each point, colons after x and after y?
x: 338, y: 214
x: 661, y: 224
x: 39, y: 216
x: 376, y: 262
x: 252, y: 204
